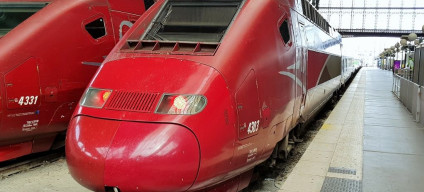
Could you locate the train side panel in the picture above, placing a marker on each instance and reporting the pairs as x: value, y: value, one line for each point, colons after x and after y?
x: 324, y: 66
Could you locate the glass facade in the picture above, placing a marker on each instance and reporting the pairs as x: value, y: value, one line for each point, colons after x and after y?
x: 374, y: 14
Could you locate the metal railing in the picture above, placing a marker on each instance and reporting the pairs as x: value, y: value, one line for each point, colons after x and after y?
x: 405, y: 73
x: 396, y: 85
x: 409, y: 93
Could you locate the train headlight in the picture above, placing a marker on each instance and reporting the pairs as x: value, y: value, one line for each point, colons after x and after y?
x: 95, y: 98
x: 181, y: 104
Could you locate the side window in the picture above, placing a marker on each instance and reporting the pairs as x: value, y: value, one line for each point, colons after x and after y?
x: 96, y: 28
x: 285, y: 32
x: 148, y: 3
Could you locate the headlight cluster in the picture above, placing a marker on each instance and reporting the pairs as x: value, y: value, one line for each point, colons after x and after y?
x: 95, y: 98
x: 169, y: 104
x: 181, y: 104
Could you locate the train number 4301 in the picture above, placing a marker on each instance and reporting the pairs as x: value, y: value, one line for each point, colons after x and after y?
x: 28, y: 100
x: 253, y: 127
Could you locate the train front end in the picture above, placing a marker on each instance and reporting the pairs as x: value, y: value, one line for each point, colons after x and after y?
x: 144, y: 133
x: 157, y: 103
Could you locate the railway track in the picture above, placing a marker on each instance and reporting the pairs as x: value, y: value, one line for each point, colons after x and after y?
x: 30, y: 162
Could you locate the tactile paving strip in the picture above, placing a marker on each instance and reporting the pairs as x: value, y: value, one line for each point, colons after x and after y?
x: 332, y: 184
x: 342, y: 170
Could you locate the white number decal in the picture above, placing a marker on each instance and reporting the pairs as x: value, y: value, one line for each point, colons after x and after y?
x: 27, y: 100
x: 31, y: 101
x: 253, y: 127
x: 21, y: 101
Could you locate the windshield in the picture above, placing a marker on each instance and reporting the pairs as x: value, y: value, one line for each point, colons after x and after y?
x: 193, y: 21
x: 12, y: 14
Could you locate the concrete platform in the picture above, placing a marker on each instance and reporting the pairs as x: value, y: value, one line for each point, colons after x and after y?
x: 369, y: 143
x: 49, y: 178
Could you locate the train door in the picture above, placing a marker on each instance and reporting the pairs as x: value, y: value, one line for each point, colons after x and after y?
x: 248, y: 114
x: 304, y: 62
x: 300, y: 70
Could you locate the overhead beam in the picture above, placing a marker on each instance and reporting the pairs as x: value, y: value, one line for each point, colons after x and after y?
x: 377, y: 32
x: 348, y: 8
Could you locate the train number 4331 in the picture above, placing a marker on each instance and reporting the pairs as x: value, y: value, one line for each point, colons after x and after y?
x: 28, y: 100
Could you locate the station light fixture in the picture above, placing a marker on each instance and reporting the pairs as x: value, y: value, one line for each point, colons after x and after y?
x: 403, y: 42
x: 412, y: 37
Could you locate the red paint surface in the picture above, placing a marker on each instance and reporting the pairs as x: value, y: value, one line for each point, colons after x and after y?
x: 44, y: 58
x: 157, y: 157
x: 90, y: 145
x: 12, y: 151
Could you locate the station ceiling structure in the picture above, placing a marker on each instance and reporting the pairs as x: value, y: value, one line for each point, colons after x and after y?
x: 391, y: 18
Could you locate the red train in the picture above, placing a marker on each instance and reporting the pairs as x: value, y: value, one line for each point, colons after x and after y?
x: 200, y: 92
x: 49, y: 52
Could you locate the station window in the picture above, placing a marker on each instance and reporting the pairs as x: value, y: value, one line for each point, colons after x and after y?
x: 96, y: 28
x: 285, y: 32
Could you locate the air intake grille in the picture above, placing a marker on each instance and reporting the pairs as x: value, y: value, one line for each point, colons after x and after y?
x: 132, y: 101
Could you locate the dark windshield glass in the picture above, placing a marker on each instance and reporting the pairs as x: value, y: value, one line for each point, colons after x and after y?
x: 193, y: 21
x: 12, y: 14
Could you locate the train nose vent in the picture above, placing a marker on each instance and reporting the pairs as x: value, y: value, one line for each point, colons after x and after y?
x: 132, y: 101
x: 112, y: 189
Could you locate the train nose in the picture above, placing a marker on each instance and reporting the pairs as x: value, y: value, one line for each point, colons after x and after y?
x: 152, y: 157
x: 145, y: 157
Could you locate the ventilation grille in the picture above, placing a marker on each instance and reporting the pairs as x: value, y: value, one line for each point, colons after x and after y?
x: 132, y: 101
x: 176, y: 48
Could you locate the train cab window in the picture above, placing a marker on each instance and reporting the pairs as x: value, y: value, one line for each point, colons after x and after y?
x: 285, y: 32
x: 96, y: 28
x: 12, y: 14
x: 193, y: 20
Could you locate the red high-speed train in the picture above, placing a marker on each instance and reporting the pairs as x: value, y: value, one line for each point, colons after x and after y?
x: 199, y: 92
x: 49, y: 52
